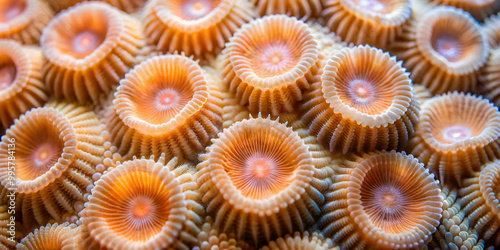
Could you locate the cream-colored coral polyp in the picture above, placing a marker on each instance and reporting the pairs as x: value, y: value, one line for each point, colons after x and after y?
x: 266, y: 32
x: 473, y: 44
x: 279, y: 136
x: 380, y: 71
x: 169, y: 28
x: 104, y: 214
x: 27, y: 89
x: 90, y: 16
x: 26, y: 27
x: 270, y: 62
x: 475, y: 113
x: 421, y: 211
x: 377, y: 27
x: 26, y: 127
x: 174, y: 71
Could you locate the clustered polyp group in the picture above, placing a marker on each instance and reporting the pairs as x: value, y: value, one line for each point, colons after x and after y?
x: 249, y: 124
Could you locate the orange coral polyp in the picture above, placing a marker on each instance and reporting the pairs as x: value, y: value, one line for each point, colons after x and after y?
x: 144, y: 204
x: 21, y: 85
x: 382, y: 199
x: 11, y: 9
x: 23, y: 20
x: 166, y: 104
x: 269, y: 63
x: 379, y: 22
x: 443, y: 50
x: 58, y: 146
x: 456, y: 134
x: 94, y: 45
x: 195, y: 27
x: 262, y: 179
x: 363, y: 102
x: 55, y: 137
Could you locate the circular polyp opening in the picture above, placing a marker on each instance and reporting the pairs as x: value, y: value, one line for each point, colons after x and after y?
x: 193, y: 9
x: 165, y: 96
x: 261, y: 160
x: 448, y: 46
x: 80, y: 32
x: 40, y: 149
x: 456, y: 133
x: 10, y: 9
x: 275, y: 58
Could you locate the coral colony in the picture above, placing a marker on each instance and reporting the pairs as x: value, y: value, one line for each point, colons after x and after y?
x: 249, y: 124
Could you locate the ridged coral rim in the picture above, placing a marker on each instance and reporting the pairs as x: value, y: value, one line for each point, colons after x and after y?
x: 387, y: 13
x: 14, y: 52
x: 492, y: 30
x: 22, y: 19
x: 163, y: 10
x: 222, y: 149
x: 405, y: 174
x: 55, y: 236
x: 59, y: 28
x: 489, y: 181
x: 481, y: 113
x: 117, y: 187
x: 460, y: 28
x: 286, y: 30
x: 156, y: 69
x: 387, y: 77
x: 67, y: 135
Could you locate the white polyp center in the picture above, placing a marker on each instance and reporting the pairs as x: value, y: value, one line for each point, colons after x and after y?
x: 141, y: 208
x: 167, y: 97
x: 43, y: 153
x: 198, y: 8
x: 448, y: 47
x: 11, y: 9
x: 361, y: 91
x: 260, y: 167
x: 85, y: 42
x: 274, y: 60
x: 456, y: 133
x: 372, y: 5
x: 7, y: 76
x: 389, y: 199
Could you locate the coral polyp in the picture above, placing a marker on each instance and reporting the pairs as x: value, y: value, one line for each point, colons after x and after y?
x: 443, y: 50
x: 270, y: 62
x: 457, y: 133
x: 167, y: 104
x: 481, y: 199
x: 23, y: 20
x: 259, y: 180
x: 377, y: 22
x: 88, y: 49
x: 143, y: 204
x: 58, y: 146
x: 21, y: 84
x: 381, y: 200
x: 363, y: 102
x: 51, y: 236
x: 199, y: 28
